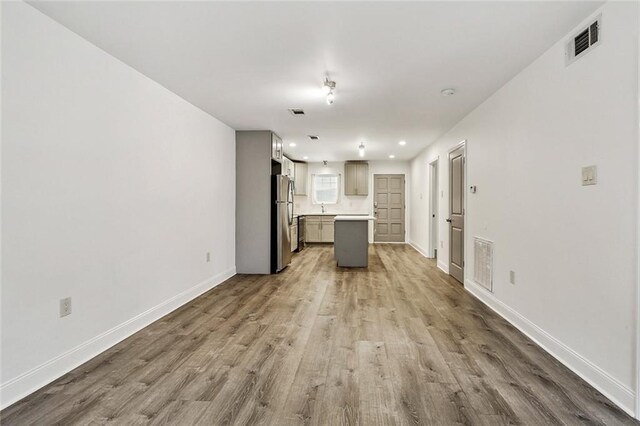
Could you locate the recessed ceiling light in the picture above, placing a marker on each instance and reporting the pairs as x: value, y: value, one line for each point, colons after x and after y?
x: 403, y: 143
x: 448, y: 91
x: 292, y: 144
x: 305, y: 158
x: 392, y: 156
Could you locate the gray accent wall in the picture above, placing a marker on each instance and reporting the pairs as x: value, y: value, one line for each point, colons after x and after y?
x: 253, y: 197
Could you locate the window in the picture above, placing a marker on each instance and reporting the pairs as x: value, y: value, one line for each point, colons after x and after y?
x: 326, y: 189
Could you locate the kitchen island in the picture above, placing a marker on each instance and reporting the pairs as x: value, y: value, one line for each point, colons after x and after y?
x: 351, y: 241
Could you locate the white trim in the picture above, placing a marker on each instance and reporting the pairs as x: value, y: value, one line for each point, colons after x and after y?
x: 390, y: 242
x: 609, y: 386
x: 17, y: 388
x: 443, y: 267
x: 434, y: 208
x: 456, y: 146
x: 419, y: 249
x: 637, y: 406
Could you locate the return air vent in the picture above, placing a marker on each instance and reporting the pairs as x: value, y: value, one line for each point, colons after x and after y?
x: 483, y: 263
x: 313, y: 137
x: 296, y: 111
x: 584, y: 41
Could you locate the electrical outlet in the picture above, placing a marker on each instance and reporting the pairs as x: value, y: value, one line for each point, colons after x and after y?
x: 208, y: 257
x: 512, y: 277
x: 65, y: 307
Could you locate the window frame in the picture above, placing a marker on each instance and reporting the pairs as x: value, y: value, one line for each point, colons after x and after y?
x: 314, y: 184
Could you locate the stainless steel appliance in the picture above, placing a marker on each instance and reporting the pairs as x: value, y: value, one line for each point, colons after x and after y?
x: 281, y: 220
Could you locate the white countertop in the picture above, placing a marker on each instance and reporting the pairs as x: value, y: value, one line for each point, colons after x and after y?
x: 355, y: 218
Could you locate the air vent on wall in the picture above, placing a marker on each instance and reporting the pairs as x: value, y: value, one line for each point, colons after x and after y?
x: 296, y: 111
x: 483, y: 263
x: 314, y: 137
x: 582, y: 42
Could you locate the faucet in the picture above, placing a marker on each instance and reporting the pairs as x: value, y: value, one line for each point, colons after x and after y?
x: 322, y: 207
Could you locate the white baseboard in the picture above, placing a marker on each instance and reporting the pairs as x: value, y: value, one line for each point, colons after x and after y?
x: 389, y: 242
x: 609, y: 386
x: 420, y: 249
x: 17, y: 388
x: 443, y: 267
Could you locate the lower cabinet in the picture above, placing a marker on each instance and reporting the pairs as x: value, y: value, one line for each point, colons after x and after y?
x: 293, y: 235
x: 327, y: 232
x: 319, y: 229
x: 313, y: 230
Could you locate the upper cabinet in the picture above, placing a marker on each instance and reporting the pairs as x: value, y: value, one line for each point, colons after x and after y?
x: 356, y: 181
x: 276, y: 147
x: 300, y: 171
x: 288, y: 168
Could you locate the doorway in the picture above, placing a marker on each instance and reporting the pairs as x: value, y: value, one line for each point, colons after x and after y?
x: 388, y: 208
x: 456, y: 211
x: 434, y: 191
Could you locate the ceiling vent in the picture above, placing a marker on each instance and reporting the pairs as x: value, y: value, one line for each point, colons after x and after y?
x: 296, y: 111
x: 584, y: 41
x: 313, y: 137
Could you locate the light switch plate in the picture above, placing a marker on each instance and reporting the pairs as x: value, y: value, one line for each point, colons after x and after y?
x: 589, y: 175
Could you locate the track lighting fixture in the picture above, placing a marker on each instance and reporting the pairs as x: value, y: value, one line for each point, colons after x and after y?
x: 330, y: 98
x: 328, y: 88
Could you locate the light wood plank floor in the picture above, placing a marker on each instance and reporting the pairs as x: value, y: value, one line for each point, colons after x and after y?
x: 398, y: 343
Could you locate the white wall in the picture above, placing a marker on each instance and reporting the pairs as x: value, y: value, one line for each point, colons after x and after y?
x: 113, y: 191
x: 573, y: 248
x: 353, y: 204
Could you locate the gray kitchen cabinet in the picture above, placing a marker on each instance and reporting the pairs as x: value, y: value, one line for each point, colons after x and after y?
x: 319, y: 229
x: 327, y: 231
x: 288, y: 168
x: 293, y: 234
x: 313, y: 229
x: 300, y: 171
x: 356, y: 180
x: 276, y: 147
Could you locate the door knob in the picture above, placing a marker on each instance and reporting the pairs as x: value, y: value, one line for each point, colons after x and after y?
x: 448, y: 220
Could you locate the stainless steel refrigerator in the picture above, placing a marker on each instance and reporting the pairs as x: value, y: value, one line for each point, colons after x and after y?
x: 281, y: 220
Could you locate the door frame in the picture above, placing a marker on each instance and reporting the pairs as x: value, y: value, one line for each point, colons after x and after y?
x: 434, y: 214
x: 637, y: 387
x: 404, y: 209
x: 464, y: 145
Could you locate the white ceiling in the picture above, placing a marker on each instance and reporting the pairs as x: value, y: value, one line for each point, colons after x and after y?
x: 245, y: 63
